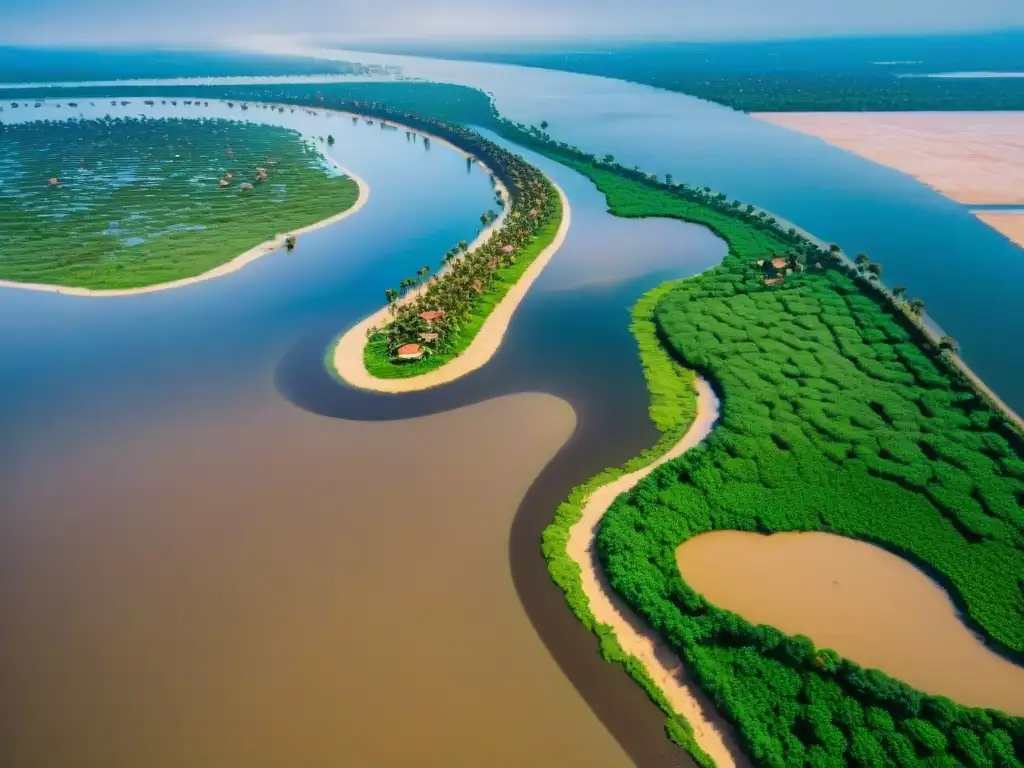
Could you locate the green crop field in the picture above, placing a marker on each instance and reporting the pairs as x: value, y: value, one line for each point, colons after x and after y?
x: 138, y: 202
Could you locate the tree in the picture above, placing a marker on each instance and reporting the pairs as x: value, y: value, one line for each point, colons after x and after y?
x: 862, y: 260
x: 916, y: 307
x: 543, y: 125
x: 609, y: 159
x: 330, y: 140
x: 668, y: 179
x: 950, y: 344
x: 289, y: 242
x: 833, y: 248
x: 876, y: 270
x: 463, y: 246
x: 899, y: 291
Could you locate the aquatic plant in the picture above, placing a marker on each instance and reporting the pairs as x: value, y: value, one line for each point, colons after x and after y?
x: 122, y: 203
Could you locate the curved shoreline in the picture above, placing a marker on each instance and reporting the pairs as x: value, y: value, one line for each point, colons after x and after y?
x: 711, y: 731
x: 346, y: 357
x: 249, y: 256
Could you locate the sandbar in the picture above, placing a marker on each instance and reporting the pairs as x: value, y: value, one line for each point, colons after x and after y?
x: 971, y: 157
x: 712, y: 732
x: 1009, y: 224
x: 268, y: 246
x: 347, y: 356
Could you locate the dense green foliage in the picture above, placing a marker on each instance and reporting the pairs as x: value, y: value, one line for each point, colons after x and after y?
x: 673, y: 407
x: 136, y: 202
x: 834, y: 418
x: 813, y: 75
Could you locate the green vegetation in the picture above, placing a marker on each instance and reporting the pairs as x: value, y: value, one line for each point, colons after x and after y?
x: 673, y: 408
x: 123, y: 203
x: 837, y: 416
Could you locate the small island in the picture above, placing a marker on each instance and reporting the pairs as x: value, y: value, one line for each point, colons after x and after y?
x: 123, y: 204
x: 463, y: 311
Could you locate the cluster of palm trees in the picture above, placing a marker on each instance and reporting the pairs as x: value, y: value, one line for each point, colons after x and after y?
x: 430, y: 312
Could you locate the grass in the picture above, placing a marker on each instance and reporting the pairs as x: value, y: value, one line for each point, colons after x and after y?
x: 376, y: 357
x: 138, y: 201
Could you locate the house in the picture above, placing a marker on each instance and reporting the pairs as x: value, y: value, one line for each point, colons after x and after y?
x: 431, y: 315
x: 409, y: 352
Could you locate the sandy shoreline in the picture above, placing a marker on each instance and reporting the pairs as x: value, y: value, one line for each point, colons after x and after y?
x: 970, y: 157
x: 267, y: 246
x: 347, y: 356
x: 1009, y: 224
x: 710, y: 729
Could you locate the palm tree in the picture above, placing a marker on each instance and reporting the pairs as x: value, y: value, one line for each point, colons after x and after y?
x: 950, y: 344
x: 862, y: 261
x: 916, y: 307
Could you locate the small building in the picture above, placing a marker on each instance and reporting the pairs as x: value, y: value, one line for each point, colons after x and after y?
x: 508, y: 249
x: 429, y: 337
x: 409, y: 352
x: 779, y: 263
x: 431, y: 315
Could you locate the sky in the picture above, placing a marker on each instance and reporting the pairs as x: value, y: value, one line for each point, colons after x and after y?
x: 203, y: 21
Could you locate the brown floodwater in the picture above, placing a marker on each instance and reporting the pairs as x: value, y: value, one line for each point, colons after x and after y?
x: 261, y: 586
x: 867, y: 604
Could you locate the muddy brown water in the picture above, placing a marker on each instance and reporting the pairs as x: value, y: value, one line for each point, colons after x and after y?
x: 867, y: 604
x: 260, y: 588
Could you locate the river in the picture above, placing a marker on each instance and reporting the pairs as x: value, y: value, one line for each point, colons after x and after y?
x: 196, y: 571
x: 182, y: 529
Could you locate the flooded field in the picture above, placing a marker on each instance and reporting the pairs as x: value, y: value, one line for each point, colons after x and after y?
x: 865, y: 603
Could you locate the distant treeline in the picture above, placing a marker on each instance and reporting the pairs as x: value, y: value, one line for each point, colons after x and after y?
x: 851, y: 74
x: 54, y: 65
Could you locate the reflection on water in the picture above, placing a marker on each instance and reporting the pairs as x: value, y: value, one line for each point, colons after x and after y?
x: 267, y: 587
x: 867, y: 604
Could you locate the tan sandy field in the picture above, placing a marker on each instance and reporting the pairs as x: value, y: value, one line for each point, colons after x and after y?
x: 971, y: 157
x: 1009, y: 224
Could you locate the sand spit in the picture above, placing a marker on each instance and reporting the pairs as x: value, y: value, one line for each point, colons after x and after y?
x: 1009, y: 224
x: 971, y: 157
x: 347, y: 357
x: 711, y: 730
x: 268, y: 246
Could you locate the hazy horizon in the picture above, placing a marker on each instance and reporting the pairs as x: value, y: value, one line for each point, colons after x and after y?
x: 193, y: 23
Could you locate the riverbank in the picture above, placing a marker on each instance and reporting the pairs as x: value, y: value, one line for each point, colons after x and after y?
x: 237, y: 263
x: 710, y: 730
x: 347, y: 357
x: 1009, y: 224
x: 970, y: 157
